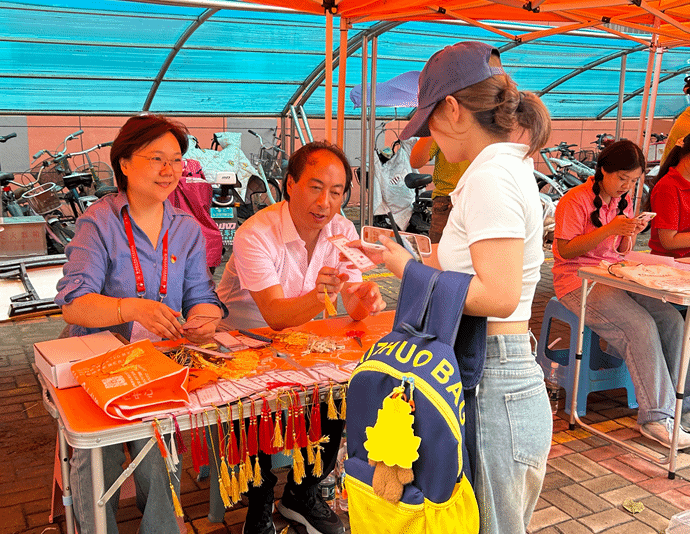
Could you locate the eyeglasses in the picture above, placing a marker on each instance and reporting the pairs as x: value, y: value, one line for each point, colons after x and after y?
x: 158, y: 164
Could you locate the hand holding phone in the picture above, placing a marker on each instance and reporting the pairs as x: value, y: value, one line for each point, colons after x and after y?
x: 197, y: 321
x: 420, y: 244
x: 646, y: 216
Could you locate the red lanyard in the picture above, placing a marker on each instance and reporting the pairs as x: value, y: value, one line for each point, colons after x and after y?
x: 138, y: 274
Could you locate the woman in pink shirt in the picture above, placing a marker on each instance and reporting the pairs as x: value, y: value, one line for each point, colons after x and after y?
x: 671, y: 201
x: 593, y: 223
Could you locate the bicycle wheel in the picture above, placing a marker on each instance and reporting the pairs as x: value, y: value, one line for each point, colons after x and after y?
x: 261, y: 200
x: 59, y: 234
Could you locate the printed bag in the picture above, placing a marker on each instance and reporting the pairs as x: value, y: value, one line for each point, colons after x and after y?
x: 417, y: 363
x: 134, y: 381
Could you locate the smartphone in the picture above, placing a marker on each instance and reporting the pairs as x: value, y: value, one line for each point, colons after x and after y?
x: 646, y: 216
x: 419, y: 243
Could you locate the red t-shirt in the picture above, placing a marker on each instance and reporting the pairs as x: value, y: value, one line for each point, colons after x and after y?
x: 671, y: 202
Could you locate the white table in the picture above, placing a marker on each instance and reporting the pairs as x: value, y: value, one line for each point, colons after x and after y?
x: 601, y: 276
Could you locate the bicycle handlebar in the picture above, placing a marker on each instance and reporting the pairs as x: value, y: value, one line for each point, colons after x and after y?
x: 6, y: 137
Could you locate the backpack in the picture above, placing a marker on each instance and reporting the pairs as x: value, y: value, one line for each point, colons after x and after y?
x: 417, y: 363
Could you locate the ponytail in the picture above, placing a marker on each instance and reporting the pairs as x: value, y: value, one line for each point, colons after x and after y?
x: 501, y: 109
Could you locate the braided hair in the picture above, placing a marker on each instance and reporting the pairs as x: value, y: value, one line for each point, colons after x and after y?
x: 623, y: 155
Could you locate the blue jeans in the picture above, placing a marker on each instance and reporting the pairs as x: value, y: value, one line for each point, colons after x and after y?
x: 151, y: 481
x: 647, y: 333
x: 514, y: 427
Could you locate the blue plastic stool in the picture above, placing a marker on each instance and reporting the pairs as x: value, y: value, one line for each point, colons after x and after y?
x: 599, y: 370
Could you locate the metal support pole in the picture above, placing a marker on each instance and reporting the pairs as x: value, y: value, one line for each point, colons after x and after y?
x: 372, y: 132
x: 305, y: 120
x: 363, y: 195
x: 98, y: 486
x: 328, y: 103
x: 621, y: 95
x: 342, y: 71
x: 66, y: 486
x: 645, y: 97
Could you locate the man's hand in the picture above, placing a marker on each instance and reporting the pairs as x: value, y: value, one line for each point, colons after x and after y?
x: 367, y: 295
x: 330, y: 280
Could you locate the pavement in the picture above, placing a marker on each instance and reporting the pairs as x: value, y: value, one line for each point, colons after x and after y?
x: 587, y: 481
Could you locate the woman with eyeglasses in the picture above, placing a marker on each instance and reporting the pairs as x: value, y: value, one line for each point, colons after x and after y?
x: 135, y: 265
x: 593, y: 224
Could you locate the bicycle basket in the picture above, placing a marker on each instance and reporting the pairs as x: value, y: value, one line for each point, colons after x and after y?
x: 43, y: 198
x: 49, y: 174
x: 104, y: 176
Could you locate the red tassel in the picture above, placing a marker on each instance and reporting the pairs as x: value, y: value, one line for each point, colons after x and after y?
x: 315, y: 417
x: 179, y: 441
x: 221, y: 435
x: 266, y: 429
x: 233, y: 453
x: 161, y: 446
x: 290, y: 428
x: 195, y: 445
x: 204, y: 446
x: 243, y: 432
x: 253, y: 439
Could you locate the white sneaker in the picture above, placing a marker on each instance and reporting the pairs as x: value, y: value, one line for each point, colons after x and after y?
x: 662, y: 431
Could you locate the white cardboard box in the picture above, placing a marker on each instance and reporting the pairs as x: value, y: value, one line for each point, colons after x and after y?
x: 55, y: 358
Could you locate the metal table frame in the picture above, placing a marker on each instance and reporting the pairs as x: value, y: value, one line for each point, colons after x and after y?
x: 599, y: 275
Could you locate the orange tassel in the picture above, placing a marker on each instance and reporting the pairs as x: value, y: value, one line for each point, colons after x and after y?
x: 225, y: 474
x: 278, y: 433
x: 310, y: 453
x: 176, y: 502
x: 297, y: 464
x: 235, y: 488
x: 248, y: 467
x: 332, y: 411
x: 224, y: 493
x: 343, y: 403
x: 243, y: 485
x: 258, y: 479
x: 317, y: 470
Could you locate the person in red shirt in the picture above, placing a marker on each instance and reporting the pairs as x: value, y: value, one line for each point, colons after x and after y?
x: 670, y: 200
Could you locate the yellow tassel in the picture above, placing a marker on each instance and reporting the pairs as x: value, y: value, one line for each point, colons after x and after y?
x: 277, y: 434
x: 297, y: 464
x: 248, y: 468
x: 258, y: 479
x: 317, y: 470
x: 176, y: 502
x: 244, y: 487
x: 235, y: 488
x: 224, y: 494
x: 225, y: 475
x: 285, y: 530
x: 310, y: 453
x: 343, y: 404
x: 332, y: 412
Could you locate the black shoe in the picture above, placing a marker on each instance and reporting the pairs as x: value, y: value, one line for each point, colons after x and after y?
x: 308, y: 508
x: 259, y: 518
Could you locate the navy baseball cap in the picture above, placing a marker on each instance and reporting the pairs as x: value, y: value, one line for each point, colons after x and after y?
x: 448, y: 71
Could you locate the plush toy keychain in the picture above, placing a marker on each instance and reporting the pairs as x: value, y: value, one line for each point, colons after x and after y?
x: 392, y: 445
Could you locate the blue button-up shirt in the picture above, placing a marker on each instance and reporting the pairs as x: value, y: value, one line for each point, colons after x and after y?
x: 99, y: 261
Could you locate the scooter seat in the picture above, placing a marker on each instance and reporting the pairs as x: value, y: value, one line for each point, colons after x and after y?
x: 6, y: 178
x: 415, y: 180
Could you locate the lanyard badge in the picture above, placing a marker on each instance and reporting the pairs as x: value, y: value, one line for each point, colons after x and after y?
x: 136, y: 265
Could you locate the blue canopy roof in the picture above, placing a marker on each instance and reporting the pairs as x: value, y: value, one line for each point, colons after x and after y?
x: 65, y: 56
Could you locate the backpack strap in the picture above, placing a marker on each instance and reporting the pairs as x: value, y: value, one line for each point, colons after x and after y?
x: 416, y: 287
x: 447, y: 303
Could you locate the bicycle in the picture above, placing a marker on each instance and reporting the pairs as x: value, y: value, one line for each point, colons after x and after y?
x: 565, y: 172
x: 271, y: 158
x: 85, y: 183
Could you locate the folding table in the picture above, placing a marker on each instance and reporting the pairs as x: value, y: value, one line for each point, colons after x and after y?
x: 602, y: 276
x: 84, y: 425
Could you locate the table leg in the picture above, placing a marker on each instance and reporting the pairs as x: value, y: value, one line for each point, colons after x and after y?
x: 98, y: 487
x: 66, y: 487
x: 680, y: 391
x: 578, y: 354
